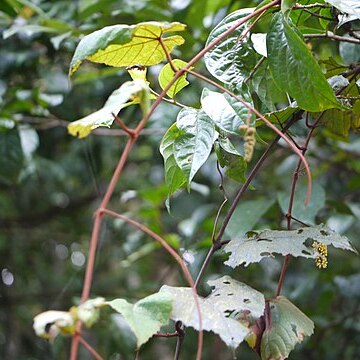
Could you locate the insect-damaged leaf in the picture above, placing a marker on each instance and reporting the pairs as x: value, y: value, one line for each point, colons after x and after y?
x: 228, y: 297
x: 194, y: 142
x: 286, y: 327
x: 125, y: 45
x: 145, y: 317
x: 256, y: 245
x: 118, y: 100
x: 295, y: 70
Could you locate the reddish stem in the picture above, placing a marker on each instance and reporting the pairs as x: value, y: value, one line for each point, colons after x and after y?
x: 179, y: 260
x: 89, y: 348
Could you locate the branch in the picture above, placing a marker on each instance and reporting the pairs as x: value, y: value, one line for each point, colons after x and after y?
x: 176, y: 256
x: 331, y: 36
x: 89, y: 348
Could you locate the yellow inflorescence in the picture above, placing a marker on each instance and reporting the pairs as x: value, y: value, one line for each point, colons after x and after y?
x: 321, y: 260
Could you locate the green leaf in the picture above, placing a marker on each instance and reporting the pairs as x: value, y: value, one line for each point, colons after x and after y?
x: 174, y: 177
x: 119, y: 99
x: 194, y: 142
x: 246, y: 216
x: 340, y: 122
x: 349, y: 52
x: 226, y: 112
x: 266, y: 89
x: 256, y: 244
x: 280, y: 116
x: 124, y: 45
x: 295, y: 70
x: 286, y: 6
x: 300, y: 210
x: 11, y: 155
x: 228, y: 156
x: 351, y: 7
x: 167, y: 74
x: 145, y: 317
x: 229, y: 296
x: 231, y: 61
x: 287, y: 326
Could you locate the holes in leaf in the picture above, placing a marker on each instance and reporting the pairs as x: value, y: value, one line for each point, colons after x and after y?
x: 293, y: 328
x: 308, y: 242
x: 228, y: 313
x: 300, y: 231
x: 265, y: 253
x: 226, y: 282
x: 306, y: 252
x: 268, y: 240
x: 247, y: 301
x: 324, y: 233
x: 217, y: 295
x: 230, y: 294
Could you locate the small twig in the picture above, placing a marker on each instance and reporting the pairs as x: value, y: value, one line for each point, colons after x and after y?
x: 89, y: 348
x: 170, y: 101
x: 175, y: 255
x: 310, y: 6
x: 168, y: 56
x: 167, y: 335
x: 317, y: 15
x: 256, y: 67
x: 331, y: 36
x: 129, y: 131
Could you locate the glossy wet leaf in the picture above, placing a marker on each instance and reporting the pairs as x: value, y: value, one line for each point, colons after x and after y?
x: 145, y: 317
x: 229, y: 298
x: 287, y: 327
x: 194, y: 142
x: 226, y: 112
x: 295, y: 70
x: 174, y: 177
x: 167, y: 74
x: 125, y: 45
x: 129, y: 93
x: 258, y: 244
x: 231, y: 60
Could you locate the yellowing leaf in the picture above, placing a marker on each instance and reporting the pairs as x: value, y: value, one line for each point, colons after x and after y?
x: 123, y: 45
x: 118, y: 100
x: 167, y: 74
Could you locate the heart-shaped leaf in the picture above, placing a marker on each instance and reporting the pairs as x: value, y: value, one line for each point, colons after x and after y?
x: 124, y: 45
x: 194, y: 142
x: 231, y: 60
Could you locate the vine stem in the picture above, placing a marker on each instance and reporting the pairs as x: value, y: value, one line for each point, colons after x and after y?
x: 288, y: 215
x: 88, y: 347
x: 99, y: 215
x: 176, y: 256
x: 331, y: 36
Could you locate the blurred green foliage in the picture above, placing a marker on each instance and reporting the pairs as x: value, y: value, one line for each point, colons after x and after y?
x: 51, y: 183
